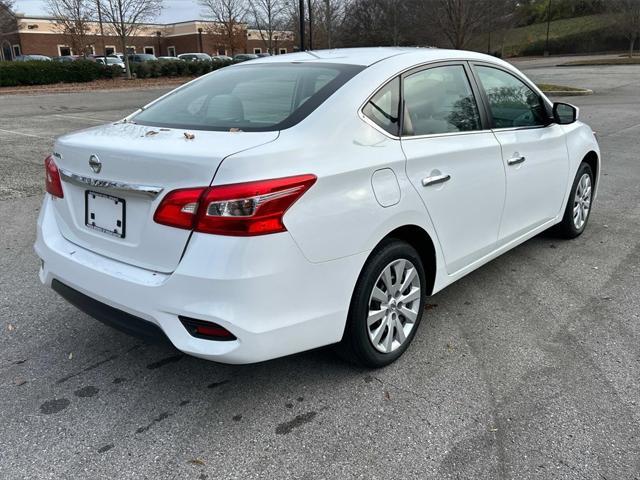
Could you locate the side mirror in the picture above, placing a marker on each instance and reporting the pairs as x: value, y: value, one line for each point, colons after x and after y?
x: 565, y: 113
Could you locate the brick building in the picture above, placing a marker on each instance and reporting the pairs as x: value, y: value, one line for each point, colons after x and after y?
x: 24, y: 35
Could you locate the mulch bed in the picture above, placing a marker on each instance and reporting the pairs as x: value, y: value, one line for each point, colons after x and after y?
x: 115, y: 84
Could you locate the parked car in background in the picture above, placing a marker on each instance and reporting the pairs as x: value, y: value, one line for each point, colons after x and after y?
x: 194, y: 57
x: 67, y: 58
x: 117, y: 55
x: 141, y: 58
x: 256, y: 237
x: 264, y: 54
x: 221, y: 58
x: 170, y: 59
x: 243, y: 57
x: 108, y: 61
x: 32, y: 58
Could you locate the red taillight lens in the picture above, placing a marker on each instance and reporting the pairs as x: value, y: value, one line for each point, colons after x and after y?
x: 242, y: 209
x: 179, y: 208
x: 52, y: 178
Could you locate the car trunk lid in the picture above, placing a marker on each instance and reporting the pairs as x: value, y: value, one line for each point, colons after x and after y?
x: 114, y: 177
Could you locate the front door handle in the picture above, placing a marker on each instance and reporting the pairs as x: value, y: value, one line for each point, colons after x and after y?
x: 516, y: 160
x: 435, y: 180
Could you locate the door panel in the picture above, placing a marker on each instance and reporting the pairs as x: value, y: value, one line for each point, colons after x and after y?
x: 537, y: 166
x: 533, y: 151
x: 466, y: 209
x: 454, y: 165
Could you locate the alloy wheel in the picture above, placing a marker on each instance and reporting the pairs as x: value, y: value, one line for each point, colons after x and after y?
x: 393, y: 305
x: 582, y: 201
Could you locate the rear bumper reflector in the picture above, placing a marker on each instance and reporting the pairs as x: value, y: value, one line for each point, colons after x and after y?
x: 206, y: 330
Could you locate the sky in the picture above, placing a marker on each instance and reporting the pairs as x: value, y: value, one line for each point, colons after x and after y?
x: 174, y: 10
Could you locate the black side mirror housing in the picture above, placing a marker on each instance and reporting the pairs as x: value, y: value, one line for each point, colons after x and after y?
x: 565, y: 113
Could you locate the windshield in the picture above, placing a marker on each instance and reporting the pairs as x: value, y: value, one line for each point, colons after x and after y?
x: 111, y: 61
x: 252, y: 98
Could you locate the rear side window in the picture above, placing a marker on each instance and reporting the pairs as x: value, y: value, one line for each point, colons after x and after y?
x: 252, y: 98
x: 384, y: 107
x: 512, y: 102
x: 439, y: 100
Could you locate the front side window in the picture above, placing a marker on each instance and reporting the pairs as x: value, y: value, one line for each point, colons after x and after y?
x: 384, y: 107
x: 439, y: 100
x: 512, y: 103
x: 252, y: 98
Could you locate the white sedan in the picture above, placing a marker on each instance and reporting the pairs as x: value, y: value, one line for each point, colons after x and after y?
x: 303, y: 200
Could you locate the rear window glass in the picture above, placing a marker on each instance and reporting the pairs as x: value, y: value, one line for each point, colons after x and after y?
x: 251, y: 98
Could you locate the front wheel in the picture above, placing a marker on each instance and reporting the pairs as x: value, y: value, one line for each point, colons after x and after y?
x: 386, y: 307
x: 579, y: 205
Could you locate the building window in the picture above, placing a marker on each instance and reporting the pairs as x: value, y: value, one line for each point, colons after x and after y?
x: 16, y: 51
x: 109, y: 49
x: 149, y: 50
x: 64, y: 51
x: 92, y: 49
x: 283, y: 51
x: 171, y: 51
x: 257, y: 51
x: 131, y: 49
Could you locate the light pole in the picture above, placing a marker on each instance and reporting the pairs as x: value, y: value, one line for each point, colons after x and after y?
x: 104, y: 50
x: 310, y: 26
x: 301, y: 5
x: 159, y: 34
x: 546, y: 44
x: 200, y: 39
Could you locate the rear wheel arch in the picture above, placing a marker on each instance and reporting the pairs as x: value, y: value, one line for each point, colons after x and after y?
x: 419, y: 239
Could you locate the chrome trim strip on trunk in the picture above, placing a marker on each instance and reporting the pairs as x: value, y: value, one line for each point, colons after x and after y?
x: 131, y: 188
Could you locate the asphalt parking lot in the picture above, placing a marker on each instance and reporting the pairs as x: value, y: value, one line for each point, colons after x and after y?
x: 529, y: 368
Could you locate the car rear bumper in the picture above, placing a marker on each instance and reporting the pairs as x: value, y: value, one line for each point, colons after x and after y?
x: 261, y: 289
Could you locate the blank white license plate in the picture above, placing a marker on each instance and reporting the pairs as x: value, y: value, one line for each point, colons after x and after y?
x: 105, y: 213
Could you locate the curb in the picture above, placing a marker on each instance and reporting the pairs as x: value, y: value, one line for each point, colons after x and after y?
x: 570, y: 93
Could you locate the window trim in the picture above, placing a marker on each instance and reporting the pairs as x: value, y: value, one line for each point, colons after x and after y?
x: 61, y: 46
x: 153, y: 50
x: 485, y: 98
x: 171, y: 48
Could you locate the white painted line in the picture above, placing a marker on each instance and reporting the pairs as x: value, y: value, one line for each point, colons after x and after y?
x: 82, y: 118
x: 23, y: 134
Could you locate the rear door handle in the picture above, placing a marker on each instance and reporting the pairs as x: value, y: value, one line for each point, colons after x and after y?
x: 435, y: 180
x: 516, y: 160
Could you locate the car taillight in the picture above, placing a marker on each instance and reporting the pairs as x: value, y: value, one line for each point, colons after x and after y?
x: 241, y: 209
x: 52, y: 177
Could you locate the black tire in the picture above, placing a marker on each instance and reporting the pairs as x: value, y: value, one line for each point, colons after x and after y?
x: 567, y: 227
x: 356, y: 346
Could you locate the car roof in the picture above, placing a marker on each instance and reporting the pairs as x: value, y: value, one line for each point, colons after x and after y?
x: 368, y: 56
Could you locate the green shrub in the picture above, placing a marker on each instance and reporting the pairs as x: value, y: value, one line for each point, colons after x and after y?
x: 41, y: 73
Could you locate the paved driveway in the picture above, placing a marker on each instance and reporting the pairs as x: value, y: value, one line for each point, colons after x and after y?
x: 527, y: 368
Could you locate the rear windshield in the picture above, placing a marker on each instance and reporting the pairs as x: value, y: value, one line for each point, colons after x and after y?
x: 252, y: 98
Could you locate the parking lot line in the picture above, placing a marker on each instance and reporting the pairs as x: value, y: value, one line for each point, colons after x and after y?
x: 87, y: 119
x: 24, y: 134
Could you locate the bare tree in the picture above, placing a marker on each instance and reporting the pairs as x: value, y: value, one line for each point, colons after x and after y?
x: 330, y: 16
x: 125, y: 17
x: 7, y: 18
x: 460, y: 20
x: 73, y: 19
x: 267, y: 17
x: 628, y: 21
x: 229, y: 17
